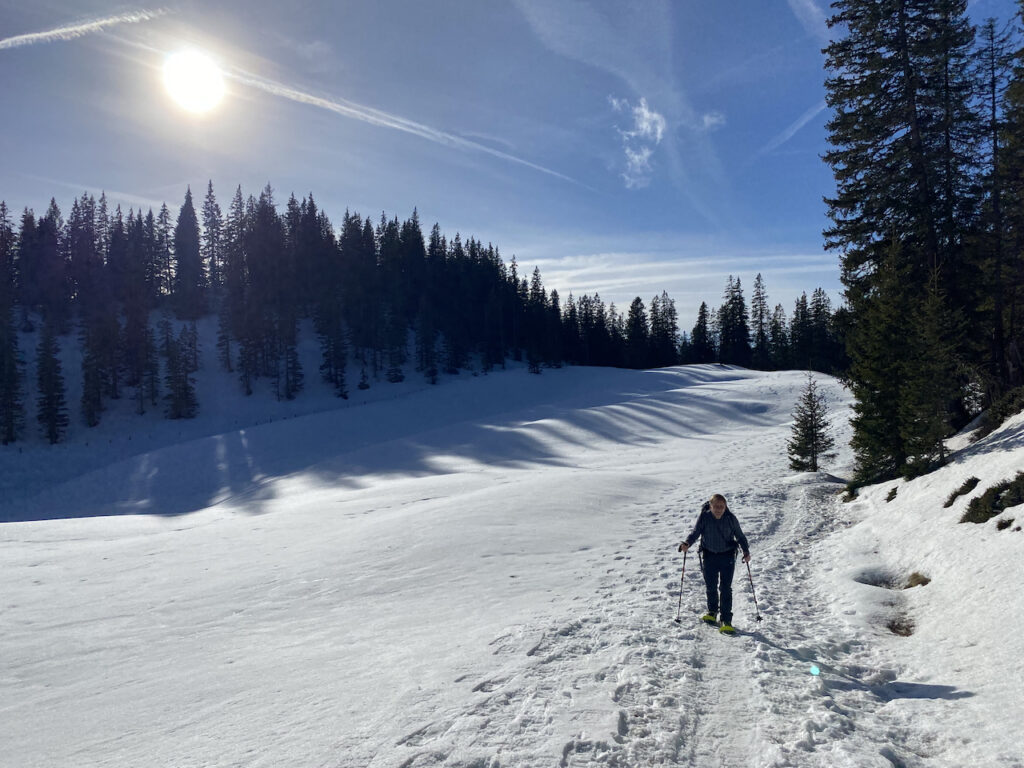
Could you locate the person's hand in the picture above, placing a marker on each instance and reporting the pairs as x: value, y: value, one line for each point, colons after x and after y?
x: 684, y: 547
x: 746, y: 557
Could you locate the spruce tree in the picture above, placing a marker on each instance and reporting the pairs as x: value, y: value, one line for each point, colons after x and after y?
x: 878, y: 351
x: 1011, y: 165
x: 51, y: 411
x: 734, y: 326
x: 637, y: 335
x: 181, y: 394
x: 212, y: 248
x: 902, y: 135
x: 701, y: 347
x: 810, y: 443
x: 12, y: 410
x: 189, y: 277
x: 760, y: 322
x: 778, y: 340
x: 930, y: 383
x: 164, y: 260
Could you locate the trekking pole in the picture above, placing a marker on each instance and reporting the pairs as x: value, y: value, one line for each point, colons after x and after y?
x: 754, y: 594
x: 680, y: 606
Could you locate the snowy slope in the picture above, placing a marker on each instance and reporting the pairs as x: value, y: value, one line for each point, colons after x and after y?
x: 484, y: 573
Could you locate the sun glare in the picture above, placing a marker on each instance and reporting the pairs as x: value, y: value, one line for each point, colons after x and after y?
x: 193, y: 81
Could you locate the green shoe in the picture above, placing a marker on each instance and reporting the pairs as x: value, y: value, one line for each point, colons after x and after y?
x: 727, y: 629
x: 709, y: 618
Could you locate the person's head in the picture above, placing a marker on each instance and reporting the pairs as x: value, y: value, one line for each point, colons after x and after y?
x: 718, y: 505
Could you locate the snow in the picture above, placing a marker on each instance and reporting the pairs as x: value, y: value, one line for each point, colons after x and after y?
x: 485, y: 573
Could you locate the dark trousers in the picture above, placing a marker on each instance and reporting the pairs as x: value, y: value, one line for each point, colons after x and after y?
x: 718, y: 570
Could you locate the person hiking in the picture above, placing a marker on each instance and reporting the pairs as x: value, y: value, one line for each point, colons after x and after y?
x: 719, y: 532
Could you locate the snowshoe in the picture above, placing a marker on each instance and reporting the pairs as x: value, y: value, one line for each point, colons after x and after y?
x: 727, y: 629
x: 709, y: 618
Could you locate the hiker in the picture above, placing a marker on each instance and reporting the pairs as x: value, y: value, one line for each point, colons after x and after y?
x: 719, y: 532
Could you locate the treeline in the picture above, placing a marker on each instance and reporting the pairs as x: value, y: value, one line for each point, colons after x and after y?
x: 927, y: 149
x: 381, y: 296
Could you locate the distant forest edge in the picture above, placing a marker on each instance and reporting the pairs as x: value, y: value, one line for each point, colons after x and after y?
x: 926, y: 138
x: 377, y: 294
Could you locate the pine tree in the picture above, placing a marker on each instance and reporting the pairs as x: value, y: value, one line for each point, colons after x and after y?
x: 189, y: 278
x: 930, y: 383
x: 701, y: 346
x: 801, y: 335
x: 1011, y: 173
x: 181, y: 394
x: 902, y: 133
x: 734, y: 326
x: 878, y: 351
x: 51, y: 410
x: 811, y: 443
x: 426, y: 342
x: 778, y: 340
x: 760, y: 322
x: 164, y: 261
x: 212, y: 250
x: 637, y: 335
x: 12, y: 409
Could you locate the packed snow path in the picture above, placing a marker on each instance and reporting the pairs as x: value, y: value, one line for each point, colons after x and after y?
x: 481, y: 574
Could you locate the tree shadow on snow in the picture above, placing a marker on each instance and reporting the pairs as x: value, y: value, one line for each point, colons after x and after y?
x: 424, y: 434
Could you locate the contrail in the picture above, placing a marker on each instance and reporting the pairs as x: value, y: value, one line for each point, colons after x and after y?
x: 791, y: 130
x: 71, y: 31
x: 386, y: 120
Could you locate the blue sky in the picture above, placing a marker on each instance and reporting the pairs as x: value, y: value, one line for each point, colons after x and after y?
x: 623, y: 147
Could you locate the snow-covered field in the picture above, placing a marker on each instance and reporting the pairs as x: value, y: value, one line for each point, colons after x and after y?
x: 484, y: 573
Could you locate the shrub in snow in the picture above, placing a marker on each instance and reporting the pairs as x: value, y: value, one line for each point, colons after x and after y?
x: 992, y: 502
x: 969, y: 485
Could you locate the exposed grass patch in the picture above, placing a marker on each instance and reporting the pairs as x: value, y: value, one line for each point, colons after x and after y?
x: 992, y: 502
x: 917, y: 579
x: 901, y: 625
x: 969, y: 485
x: 1006, y: 406
x: 1002, y: 525
x: 892, y: 495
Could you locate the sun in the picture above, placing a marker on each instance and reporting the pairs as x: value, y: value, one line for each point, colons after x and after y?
x: 193, y: 80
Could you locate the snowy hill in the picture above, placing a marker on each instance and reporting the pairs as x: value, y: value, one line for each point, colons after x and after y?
x: 485, y: 573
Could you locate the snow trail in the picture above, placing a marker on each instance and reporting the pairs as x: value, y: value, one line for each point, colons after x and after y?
x: 492, y: 591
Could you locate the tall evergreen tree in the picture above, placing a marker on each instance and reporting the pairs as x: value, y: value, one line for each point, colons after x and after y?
x: 760, y: 322
x: 701, y: 347
x: 212, y: 248
x: 902, y: 133
x: 164, y: 259
x: 778, y: 340
x: 925, y: 410
x: 878, y: 351
x: 637, y: 335
x: 12, y: 409
x: 734, y: 326
x: 51, y: 411
x: 189, y: 277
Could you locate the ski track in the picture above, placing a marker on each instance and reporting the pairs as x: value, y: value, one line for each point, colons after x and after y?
x: 682, y: 694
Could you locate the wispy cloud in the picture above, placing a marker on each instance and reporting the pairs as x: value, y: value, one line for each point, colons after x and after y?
x: 71, y: 31
x: 634, y: 43
x: 791, y: 130
x: 712, y: 120
x: 638, y: 141
x: 811, y: 17
x: 383, y: 119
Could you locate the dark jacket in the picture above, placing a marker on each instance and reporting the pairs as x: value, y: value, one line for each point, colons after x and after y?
x: 718, y: 535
